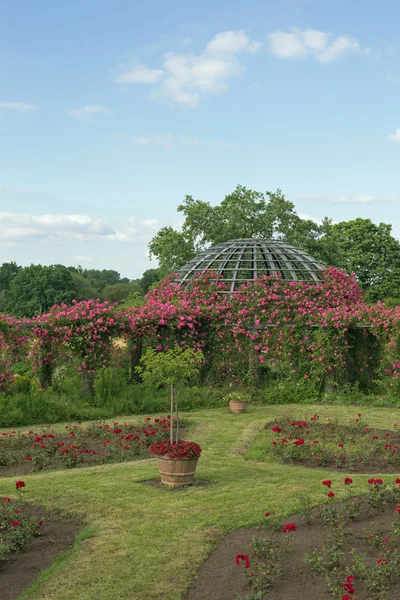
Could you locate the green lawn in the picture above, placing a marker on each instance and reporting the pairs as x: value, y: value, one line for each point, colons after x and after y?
x: 146, y: 543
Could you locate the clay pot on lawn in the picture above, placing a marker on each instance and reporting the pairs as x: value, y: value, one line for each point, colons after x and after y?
x: 238, y: 406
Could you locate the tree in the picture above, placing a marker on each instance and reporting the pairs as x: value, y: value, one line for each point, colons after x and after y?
x: 242, y: 214
x: 172, y: 368
x: 83, y: 288
x: 100, y: 279
x: 120, y: 291
x: 372, y: 253
x: 149, y: 277
x: 172, y: 249
x: 35, y: 289
x: 7, y: 273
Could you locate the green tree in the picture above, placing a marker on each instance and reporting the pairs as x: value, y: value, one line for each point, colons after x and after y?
x: 372, y: 253
x: 35, y: 289
x: 150, y: 277
x: 7, y: 273
x: 242, y: 214
x: 118, y: 292
x: 83, y: 288
x: 173, y: 367
x: 101, y: 278
x: 172, y: 249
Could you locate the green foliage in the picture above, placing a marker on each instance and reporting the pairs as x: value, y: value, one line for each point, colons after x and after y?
x: 118, y: 292
x: 35, y: 289
x: 172, y: 367
x: 149, y: 278
x: 109, y: 383
x: 372, y: 253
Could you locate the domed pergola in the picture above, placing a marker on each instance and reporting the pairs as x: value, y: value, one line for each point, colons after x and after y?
x: 241, y: 261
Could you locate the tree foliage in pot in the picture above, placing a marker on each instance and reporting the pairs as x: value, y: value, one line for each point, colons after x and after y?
x: 174, y: 368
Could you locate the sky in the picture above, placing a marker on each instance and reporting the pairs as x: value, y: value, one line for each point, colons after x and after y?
x: 111, y: 112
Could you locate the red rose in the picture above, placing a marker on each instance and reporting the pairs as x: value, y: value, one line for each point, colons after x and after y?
x: 40, y: 523
x: 6, y: 499
x: 331, y: 495
x: 348, y: 587
x: 350, y: 578
x: 299, y: 442
x: 267, y: 514
x: 327, y: 482
x: 276, y: 429
x: 15, y: 523
x: 348, y: 481
x: 19, y: 484
x: 289, y: 527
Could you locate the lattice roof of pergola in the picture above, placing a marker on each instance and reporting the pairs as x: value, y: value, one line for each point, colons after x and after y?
x: 241, y: 261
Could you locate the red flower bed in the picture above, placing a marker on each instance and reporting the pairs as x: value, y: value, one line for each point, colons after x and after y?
x: 15, y: 527
x: 356, y: 446
x: 179, y: 451
x: 25, y: 452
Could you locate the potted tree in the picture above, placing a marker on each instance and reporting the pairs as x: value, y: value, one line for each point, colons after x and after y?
x: 237, y: 402
x: 176, y: 458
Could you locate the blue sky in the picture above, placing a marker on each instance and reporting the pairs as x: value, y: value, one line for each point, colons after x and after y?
x: 110, y: 112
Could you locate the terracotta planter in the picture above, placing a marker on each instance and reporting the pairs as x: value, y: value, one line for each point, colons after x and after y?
x: 176, y: 471
x: 238, y: 406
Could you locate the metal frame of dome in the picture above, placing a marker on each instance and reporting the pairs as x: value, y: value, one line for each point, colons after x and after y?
x: 241, y: 261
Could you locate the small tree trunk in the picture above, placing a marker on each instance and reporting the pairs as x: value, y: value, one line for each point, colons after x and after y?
x: 87, y: 383
x: 46, y: 375
x: 171, y: 431
x: 177, y: 418
x: 46, y: 366
x: 135, y: 356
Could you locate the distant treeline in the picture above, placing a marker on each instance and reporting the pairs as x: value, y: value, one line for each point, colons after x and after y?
x: 28, y: 291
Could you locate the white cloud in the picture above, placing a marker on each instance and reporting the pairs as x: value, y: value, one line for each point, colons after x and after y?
x: 67, y: 239
x: 139, y: 73
x: 82, y: 258
x: 185, y: 77
x: 19, y: 106
x: 231, y: 42
x: 309, y: 42
x: 48, y: 226
x: 349, y: 199
x: 167, y: 141
x: 87, y: 113
x: 395, y: 137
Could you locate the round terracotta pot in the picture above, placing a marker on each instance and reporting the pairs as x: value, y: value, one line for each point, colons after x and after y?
x: 238, y: 406
x: 176, y: 471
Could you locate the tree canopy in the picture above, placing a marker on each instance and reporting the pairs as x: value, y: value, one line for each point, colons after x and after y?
x: 359, y: 246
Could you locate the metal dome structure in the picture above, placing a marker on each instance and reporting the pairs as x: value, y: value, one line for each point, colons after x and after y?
x: 241, y: 261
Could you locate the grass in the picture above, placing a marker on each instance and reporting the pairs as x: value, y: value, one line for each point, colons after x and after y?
x: 147, y: 543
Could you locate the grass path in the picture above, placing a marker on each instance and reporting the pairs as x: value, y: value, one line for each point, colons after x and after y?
x: 148, y: 543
